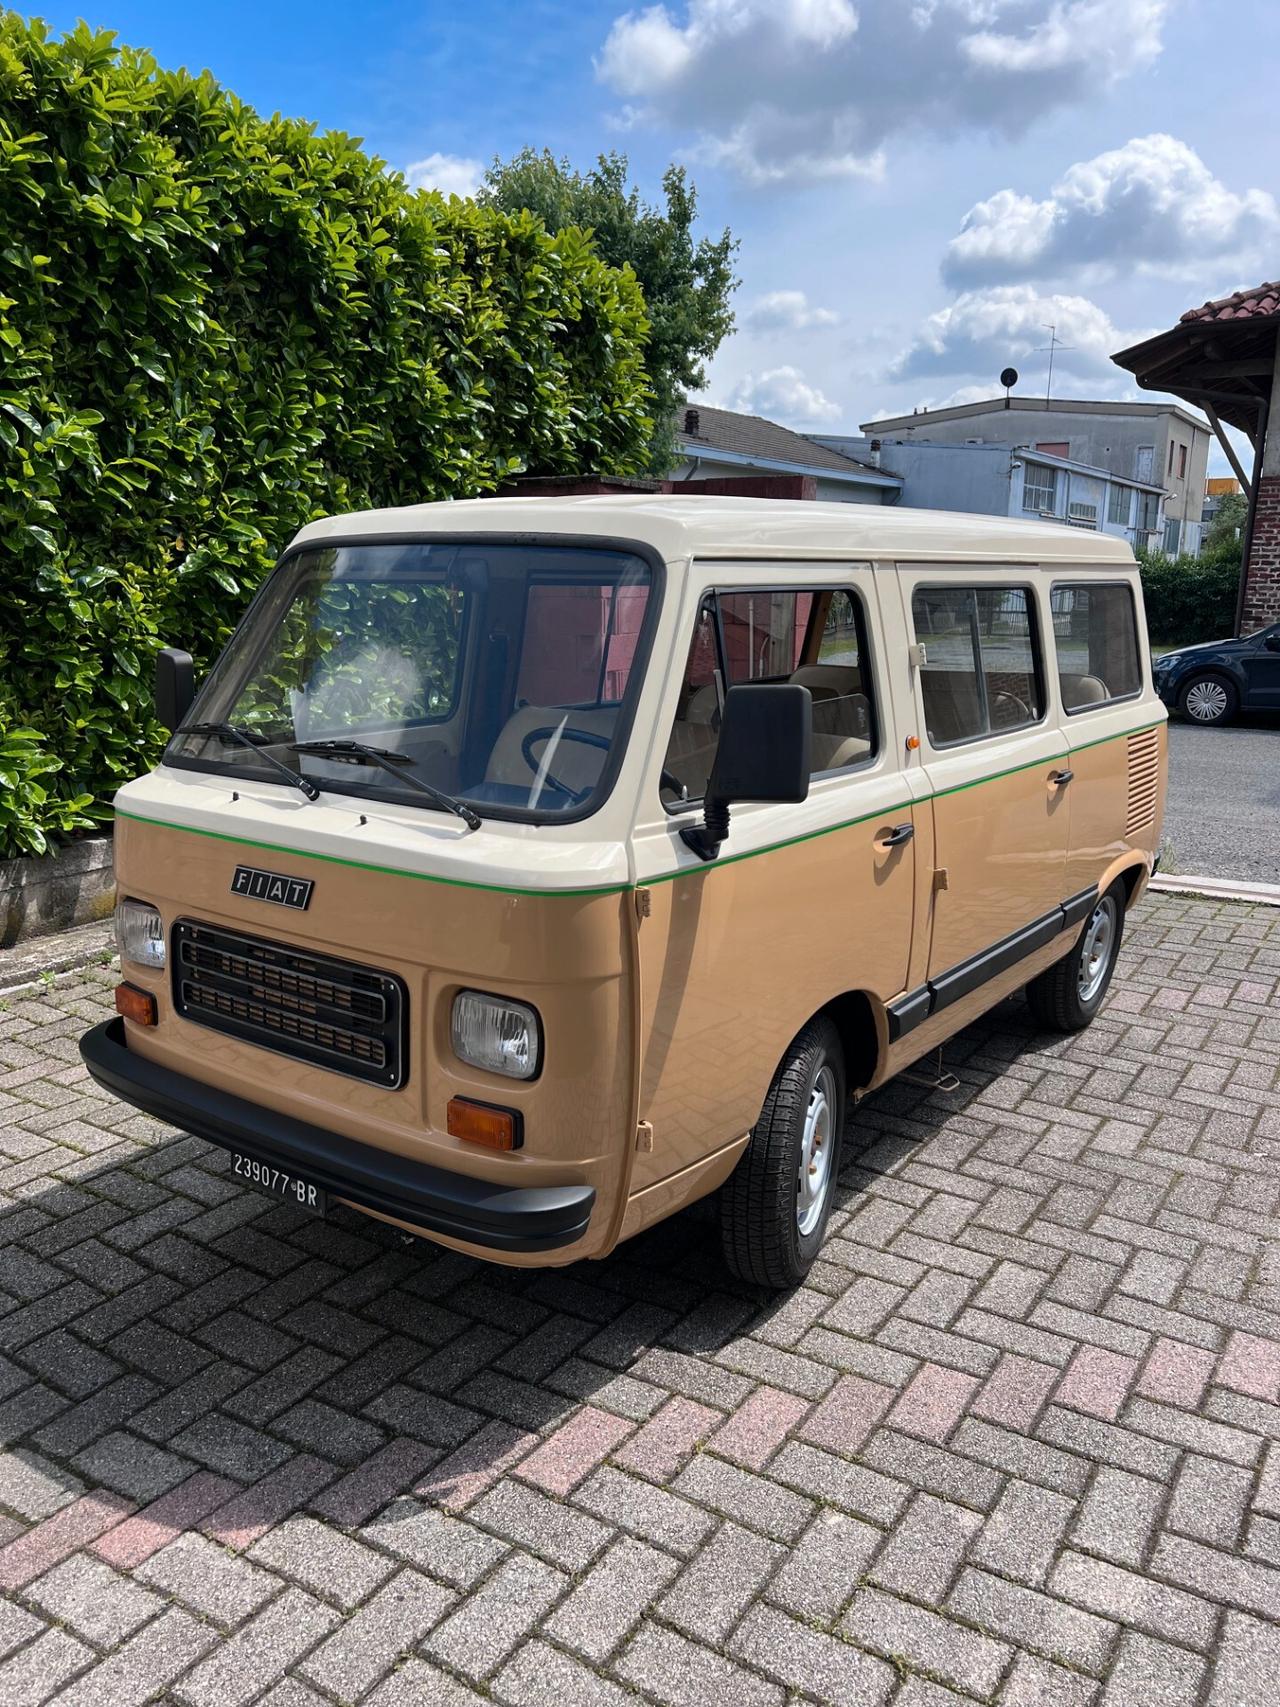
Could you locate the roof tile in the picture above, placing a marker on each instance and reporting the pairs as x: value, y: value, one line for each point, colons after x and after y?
x: 1260, y: 303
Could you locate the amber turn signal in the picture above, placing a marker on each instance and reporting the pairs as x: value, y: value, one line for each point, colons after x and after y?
x: 135, y: 1004
x: 481, y: 1123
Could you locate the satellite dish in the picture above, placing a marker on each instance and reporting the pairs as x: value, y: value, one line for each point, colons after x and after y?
x: 1009, y: 377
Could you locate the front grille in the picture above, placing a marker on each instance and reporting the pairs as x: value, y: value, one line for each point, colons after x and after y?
x: 1144, y: 782
x: 332, y: 1013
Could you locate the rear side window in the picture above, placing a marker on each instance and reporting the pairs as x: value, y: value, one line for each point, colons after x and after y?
x: 1095, y: 630
x: 983, y: 671
x: 814, y: 637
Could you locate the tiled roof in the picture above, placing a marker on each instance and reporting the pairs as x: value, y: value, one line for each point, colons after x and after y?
x: 1260, y: 303
x: 752, y: 435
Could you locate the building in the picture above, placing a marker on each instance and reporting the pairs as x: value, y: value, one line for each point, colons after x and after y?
x: 1000, y: 480
x: 1145, y: 444
x: 1225, y: 357
x: 1215, y: 490
x: 718, y: 444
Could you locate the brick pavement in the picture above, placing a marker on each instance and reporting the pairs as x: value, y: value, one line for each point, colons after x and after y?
x: 1017, y: 1441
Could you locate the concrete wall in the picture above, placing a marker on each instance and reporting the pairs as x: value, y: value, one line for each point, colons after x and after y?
x: 706, y: 467
x: 940, y: 477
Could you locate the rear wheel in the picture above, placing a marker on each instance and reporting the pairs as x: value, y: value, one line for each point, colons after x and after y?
x: 775, y: 1205
x: 1209, y: 699
x: 1069, y: 993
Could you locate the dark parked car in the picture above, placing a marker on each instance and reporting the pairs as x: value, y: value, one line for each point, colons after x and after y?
x: 1212, y: 682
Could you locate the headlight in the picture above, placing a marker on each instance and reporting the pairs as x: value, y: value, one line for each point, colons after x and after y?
x: 502, y: 1037
x: 139, y: 933
x: 1170, y: 661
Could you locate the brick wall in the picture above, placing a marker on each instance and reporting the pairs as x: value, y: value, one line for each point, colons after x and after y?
x: 1262, y: 579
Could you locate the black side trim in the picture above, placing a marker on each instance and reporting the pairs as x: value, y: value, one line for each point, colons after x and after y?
x: 917, y: 1005
x: 498, y: 1217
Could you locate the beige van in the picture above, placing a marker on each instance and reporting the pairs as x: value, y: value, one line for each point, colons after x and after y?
x: 527, y: 869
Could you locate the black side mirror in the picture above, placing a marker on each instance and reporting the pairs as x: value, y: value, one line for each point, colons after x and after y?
x: 765, y: 753
x: 175, y: 686
x: 1272, y: 643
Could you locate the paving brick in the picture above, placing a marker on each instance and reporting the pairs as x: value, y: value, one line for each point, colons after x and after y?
x: 1243, y: 1583
x: 207, y: 1579
x: 1247, y: 1662
x: 93, y: 1601
x: 59, y: 1536
x: 932, y: 1644
x: 1251, y: 1365
x: 39, y: 1671
x: 753, y: 1500
x: 540, y: 1676
x: 17, y: 1627
x: 143, y: 1666
x: 33, y: 1487
x: 250, y: 1514
x: 462, y: 1476
x: 1135, y: 1600
x: 366, y: 1489
x: 495, y: 1618
x: 1034, y: 1682
x: 847, y: 1415
x: 131, y: 1466
x: 807, y: 1660
x: 668, y: 1439
x: 933, y: 1468
x: 716, y: 1588
x: 127, y: 1544
x: 1034, y: 1620
x: 850, y: 1487
x: 1176, y: 1374
x: 650, y: 1512
x: 759, y: 1427
x: 316, y: 1556
x: 1097, y: 1382
x: 245, y: 1664
x: 933, y: 1402
x: 925, y: 1551
x: 447, y: 1548
x: 822, y: 1569
x: 1022, y: 1536
x: 1015, y: 1391
x: 569, y: 1455
x: 1149, y: 1672
x: 1209, y: 1500
x: 567, y: 1537
x: 606, y: 1606
x: 680, y: 1673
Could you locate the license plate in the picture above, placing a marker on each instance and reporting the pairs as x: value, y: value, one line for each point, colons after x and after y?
x: 280, y: 1183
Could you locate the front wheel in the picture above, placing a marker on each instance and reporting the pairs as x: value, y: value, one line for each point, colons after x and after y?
x: 775, y: 1205
x: 1067, y: 995
x: 1208, y: 700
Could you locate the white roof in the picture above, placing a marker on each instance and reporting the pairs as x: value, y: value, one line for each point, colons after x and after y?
x: 680, y: 527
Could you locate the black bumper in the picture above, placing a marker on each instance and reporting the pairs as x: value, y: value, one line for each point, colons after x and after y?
x: 498, y: 1217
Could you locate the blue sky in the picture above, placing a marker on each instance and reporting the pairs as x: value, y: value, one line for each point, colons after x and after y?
x: 919, y: 185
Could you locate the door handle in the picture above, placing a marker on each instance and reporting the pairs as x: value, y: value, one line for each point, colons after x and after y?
x: 894, y: 838
x: 1060, y: 779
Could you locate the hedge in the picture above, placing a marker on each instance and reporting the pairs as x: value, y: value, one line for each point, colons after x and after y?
x: 213, y: 327
x: 1189, y: 599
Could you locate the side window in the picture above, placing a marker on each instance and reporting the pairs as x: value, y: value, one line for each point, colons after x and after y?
x: 1096, y: 632
x: 983, y: 672
x: 816, y: 638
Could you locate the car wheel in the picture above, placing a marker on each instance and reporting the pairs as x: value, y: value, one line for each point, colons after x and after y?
x: 1208, y: 700
x: 1069, y: 993
x: 775, y: 1205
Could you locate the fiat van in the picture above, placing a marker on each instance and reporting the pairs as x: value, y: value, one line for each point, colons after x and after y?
x: 527, y: 869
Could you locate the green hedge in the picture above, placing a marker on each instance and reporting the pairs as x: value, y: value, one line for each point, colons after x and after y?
x: 1189, y: 599
x: 214, y: 327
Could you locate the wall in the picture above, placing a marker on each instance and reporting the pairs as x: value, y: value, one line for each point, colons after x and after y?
x: 1262, y: 573
x: 706, y: 467
x: 972, y: 478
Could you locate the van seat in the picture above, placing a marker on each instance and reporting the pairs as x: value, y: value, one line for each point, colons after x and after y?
x: 575, y: 764
x: 952, y: 708
x: 1083, y: 690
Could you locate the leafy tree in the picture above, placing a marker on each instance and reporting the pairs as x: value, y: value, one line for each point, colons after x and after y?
x: 687, y: 281
x: 1228, y: 523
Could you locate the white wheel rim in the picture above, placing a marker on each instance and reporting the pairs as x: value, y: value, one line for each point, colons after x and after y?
x: 816, y: 1146
x: 1097, y: 949
x: 1206, y: 701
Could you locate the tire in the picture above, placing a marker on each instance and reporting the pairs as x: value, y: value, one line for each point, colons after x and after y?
x: 1208, y: 699
x: 1068, y: 995
x: 770, y: 1233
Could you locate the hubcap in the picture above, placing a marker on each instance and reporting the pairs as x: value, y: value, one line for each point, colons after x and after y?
x: 815, y: 1151
x: 1097, y: 948
x: 1206, y: 701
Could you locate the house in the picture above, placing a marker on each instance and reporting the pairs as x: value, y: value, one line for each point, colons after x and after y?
x: 1000, y: 480
x: 719, y: 444
x: 1225, y: 357
x: 1145, y: 444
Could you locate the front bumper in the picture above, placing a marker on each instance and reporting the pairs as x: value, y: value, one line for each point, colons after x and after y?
x: 494, y: 1217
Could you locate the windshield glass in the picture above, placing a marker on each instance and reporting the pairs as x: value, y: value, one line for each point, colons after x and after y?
x: 500, y: 675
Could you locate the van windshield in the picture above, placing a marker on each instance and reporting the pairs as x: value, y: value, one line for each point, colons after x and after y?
x: 500, y: 675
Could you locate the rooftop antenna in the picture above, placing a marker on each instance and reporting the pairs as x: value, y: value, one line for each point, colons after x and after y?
x: 1008, y: 378
x: 1054, y: 343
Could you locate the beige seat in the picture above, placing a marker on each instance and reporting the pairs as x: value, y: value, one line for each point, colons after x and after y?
x: 835, y: 752
x: 1083, y: 690
x: 952, y: 708
x: 573, y: 763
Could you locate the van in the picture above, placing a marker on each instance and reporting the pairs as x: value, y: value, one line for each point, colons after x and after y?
x: 527, y: 869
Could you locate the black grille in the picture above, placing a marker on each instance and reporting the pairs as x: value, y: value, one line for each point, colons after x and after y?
x: 333, y: 1013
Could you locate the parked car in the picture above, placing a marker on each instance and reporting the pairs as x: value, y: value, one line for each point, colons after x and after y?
x: 1210, y: 683
x: 528, y: 869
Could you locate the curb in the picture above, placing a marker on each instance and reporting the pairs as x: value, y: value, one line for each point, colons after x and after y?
x: 65, y: 951
x: 1217, y: 888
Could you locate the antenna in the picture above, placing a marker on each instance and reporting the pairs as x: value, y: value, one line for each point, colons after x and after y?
x: 1054, y: 343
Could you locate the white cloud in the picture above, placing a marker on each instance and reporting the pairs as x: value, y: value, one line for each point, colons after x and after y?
x: 787, y: 311
x: 814, y: 89
x: 1152, y: 205
x: 451, y: 174
x: 983, y: 331
x: 783, y: 394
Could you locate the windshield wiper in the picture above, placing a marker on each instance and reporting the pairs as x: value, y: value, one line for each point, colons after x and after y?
x: 356, y: 752
x: 255, y: 743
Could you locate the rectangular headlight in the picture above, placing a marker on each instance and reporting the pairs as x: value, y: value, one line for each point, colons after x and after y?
x: 140, y: 934
x: 500, y: 1036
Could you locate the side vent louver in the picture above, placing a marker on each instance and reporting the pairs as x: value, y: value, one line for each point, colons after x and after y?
x: 1144, y: 782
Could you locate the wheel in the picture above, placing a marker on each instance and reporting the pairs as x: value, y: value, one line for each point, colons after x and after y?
x: 1069, y: 993
x: 774, y: 1206
x: 1209, y: 699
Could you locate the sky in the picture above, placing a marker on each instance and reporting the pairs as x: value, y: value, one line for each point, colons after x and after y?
x: 921, y: 188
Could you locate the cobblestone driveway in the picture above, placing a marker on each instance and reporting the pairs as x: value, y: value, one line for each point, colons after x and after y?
x: 1014, y: 1442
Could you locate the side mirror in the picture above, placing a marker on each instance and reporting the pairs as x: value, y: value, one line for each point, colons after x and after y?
x: 1272, y: 643
x: 175, y: 686
x: 764, y: 753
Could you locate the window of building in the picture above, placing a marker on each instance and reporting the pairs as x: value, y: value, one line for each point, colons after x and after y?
x: 1039, y: 489
x: 1172, y: 536
x: 1182, y: 462
x: 1096, y: 633
x: 816, y: 638
x: 1081, y: 515
x: 1055, y: 447
x: 1119, y: 504
x: 982, y: 675
x: 1148, y: 512
x: 1169, y: 470
x: 1144, y: 464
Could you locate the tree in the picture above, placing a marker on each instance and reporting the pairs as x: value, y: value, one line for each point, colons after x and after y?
x: 1228, y: 525
x: 687, y: 281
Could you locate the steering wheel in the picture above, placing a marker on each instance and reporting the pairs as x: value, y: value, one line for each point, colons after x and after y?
x: 1010, y: 709
x: 588, y: 738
